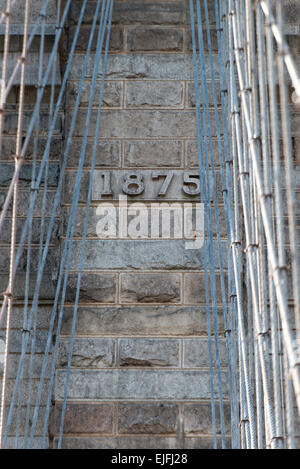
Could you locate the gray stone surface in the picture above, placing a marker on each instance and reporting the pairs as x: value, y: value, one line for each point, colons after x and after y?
x: 16, y: 340
x: 7, y: 172
x: 149, y: 352
x: 9, y: 148
x: 194, y: 288
x: 11, y: 122
x: 5, y: 234
x: 141, y: 38
x: 147, y: 418
x: 138, y: 123
x: 142, y: 154
x: 50, y: 263
x: 87, y: 353
x: 138, y: 320
x: 112, y: 94
x: 107, y: 153
x: 154, y: 94
x: 133, y: 12
x: 136, y: 442
x: 35, y: 8
x: 83, y: 418
x: 99, y: 288
x: 32, y: 68
x: 190, y: 95
x: 47, y: 290
x: 198, y: 418
x: 116, y: 42
x: 150, y: 288
x: 23, y: 202
x: 175, y: 66
x: 139, y: 254
x: 196, y: 353
x: 136, y: 384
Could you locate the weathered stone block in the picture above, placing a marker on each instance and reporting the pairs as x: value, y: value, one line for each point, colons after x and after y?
x: 133, y: 12
x: 198, y: 419
x: 11, y: 123
x: 154, y: 39
x: 25, y: 177
x: 138, y: 442
x: 24, y: 397
x: 50, y: 263
x: 35, y: 8
x: 194, y: 288
x: 46, y: 292
x: 140, y: 254
x: 115, y: 43
x: 191, y: 100
x: 13, y: 364
x: 32, y: 68
x: 16, y: 340
x: 196, y: 353
x: 23, y: 203
x: 93, y: 288
x: 192, y: 153
x: 87, y: 353
x: 136, y: 384
x: 175, y: 66
x: 154, y: 94
x: 142, y: 154
x: 150, y: 288
x: 112, y: 94
x: 5, y: 234
x: 213, y: 39
x: 138, y: 123
x: 83, y: 418
x: 139, y: 320
x: 107, y: 153
x: 148, y: 352
x: 147, y: 418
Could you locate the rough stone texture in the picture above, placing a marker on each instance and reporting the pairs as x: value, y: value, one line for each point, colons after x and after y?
x: 147, y: 255
x: 7, y: 171
x: 147, y: 418
x: 150, y: 288
x: 87, y: 353
x: 148, y: 352
x: 153, y: 39
x: 196, y: 353
x: 146, y: 442
x: 139, y: 320
x: 112, y: 94
x: 194, y: 288
x: 154, y: 94
x: 83, y: 418
x: 31, y: 68
x: 107, y: 153
x: 138, y: 124
x: 141, y: 154
x: 176, y: 66
x: 133, y: 12
x: 136, y: 384
x: 99, y: 288
x: 198, y: 419
x: 116, y: 43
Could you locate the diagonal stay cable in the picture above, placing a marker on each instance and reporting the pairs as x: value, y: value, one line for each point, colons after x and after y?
x: 55, y: 205
x: 91, y: 172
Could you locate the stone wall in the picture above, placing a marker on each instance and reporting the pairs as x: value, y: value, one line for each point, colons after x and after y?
x: 139, y: 374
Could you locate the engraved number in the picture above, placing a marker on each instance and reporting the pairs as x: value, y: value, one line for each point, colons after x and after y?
x: 168, y: 175
x: 133, y: 183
